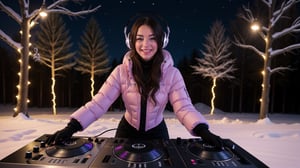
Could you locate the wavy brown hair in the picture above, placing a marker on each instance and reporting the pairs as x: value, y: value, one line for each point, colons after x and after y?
x: 152, y: 84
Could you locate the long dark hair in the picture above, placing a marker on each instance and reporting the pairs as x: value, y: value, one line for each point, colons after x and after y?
x: 152, y: 85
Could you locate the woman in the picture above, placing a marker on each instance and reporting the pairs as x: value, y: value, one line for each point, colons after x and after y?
x: 147, y: 80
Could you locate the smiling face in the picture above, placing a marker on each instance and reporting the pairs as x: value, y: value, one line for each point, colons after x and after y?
x: 145, y: 44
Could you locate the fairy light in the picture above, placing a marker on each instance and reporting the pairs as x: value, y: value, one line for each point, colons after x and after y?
x: 255, y: 26
x: 213, y: 96
x: 54, y: 97
x: 32, y: 23
x: 92, y: 86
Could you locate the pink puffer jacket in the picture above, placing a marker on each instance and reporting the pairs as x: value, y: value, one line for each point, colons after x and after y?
x: 121, y: 81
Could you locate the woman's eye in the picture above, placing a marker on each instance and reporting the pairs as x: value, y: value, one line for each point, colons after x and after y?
x: 139, y: 39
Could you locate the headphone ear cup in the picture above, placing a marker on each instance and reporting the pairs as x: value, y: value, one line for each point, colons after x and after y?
x: 166, y: 38
x: 127, y: 41
x: 165, y: 41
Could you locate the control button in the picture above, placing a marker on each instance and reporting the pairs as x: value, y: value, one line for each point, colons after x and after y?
x: 36, y: 149
x: 84, y: 160
x: 43, y: 144
x: 28, y: 155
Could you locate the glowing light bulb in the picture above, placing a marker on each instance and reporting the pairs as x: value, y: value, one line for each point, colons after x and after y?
x: 32, y: 23
x: 43, y: 14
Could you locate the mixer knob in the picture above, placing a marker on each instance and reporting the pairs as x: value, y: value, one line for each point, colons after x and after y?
x: 36, y: 149
x: 28, y: 155
x: 43, y: 144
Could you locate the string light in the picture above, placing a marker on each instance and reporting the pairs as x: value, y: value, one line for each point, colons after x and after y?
x: 54, y: 97
x: 31, y: 24
x: 213, y: 96
x: 92, y: 85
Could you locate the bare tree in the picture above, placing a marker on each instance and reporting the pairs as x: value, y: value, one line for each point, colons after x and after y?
x: 93, y: 58
x: 26, y: 19
x: 276, y: 12
x: 216, y: 63
x: 54, y: 43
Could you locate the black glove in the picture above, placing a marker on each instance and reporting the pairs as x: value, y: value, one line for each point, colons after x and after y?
x: 64, y: 134
x: 208, y: 137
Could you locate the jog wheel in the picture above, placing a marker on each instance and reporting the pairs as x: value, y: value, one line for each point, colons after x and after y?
x: 207, y: 152
x: 70, y: 148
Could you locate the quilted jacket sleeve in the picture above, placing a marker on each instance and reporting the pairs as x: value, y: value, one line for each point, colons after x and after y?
x: 182, y: 105
x: 100, y: 103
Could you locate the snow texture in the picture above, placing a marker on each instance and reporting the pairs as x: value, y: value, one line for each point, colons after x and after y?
x: 274, y: 140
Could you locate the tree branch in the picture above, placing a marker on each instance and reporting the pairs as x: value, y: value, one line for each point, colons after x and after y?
x: 280, y: 69
x: 238, y: 43
x: 284, y: 50
x: 11, y: 12
x: 10, y: 41
x: 62, y: 10
x: 295, y: 27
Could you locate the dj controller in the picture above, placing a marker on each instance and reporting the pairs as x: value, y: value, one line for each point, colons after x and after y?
x: 99, y: 152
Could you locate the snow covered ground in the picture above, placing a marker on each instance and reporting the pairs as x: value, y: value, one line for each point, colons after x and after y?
x: 275, y: 140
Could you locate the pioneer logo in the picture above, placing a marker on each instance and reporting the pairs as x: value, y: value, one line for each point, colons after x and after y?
x: 138, y: 146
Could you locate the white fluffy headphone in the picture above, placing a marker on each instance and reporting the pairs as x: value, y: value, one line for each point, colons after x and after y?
x: 165, y: 38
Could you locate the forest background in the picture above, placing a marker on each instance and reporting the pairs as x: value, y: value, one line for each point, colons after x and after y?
x: 239, y: 95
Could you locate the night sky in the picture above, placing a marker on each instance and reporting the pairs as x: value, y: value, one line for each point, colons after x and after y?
x: 189, y: 21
